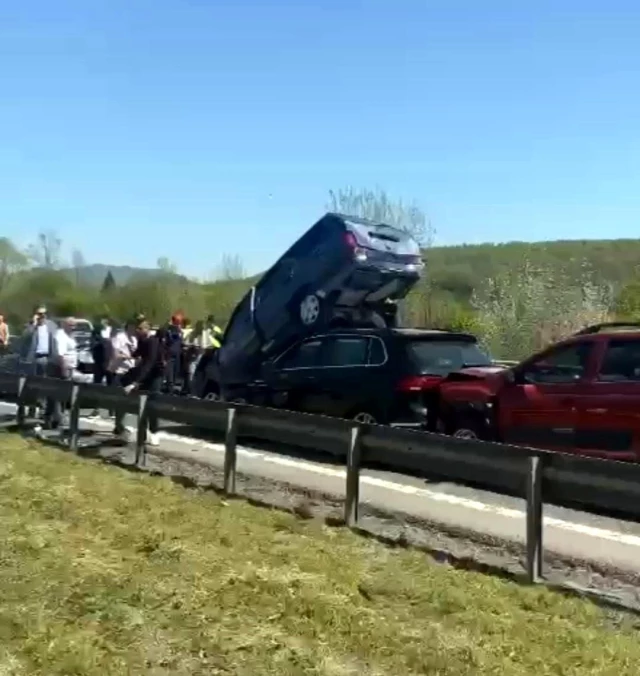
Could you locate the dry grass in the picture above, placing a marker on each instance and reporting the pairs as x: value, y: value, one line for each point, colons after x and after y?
x: 107, y: 572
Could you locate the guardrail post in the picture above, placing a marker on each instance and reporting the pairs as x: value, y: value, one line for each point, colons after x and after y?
x: 141, y: 433
x: 21, y: 415
x: 534, y: 519
x: 230, y: 452
x: 352, y: 497
x: 74, y: 419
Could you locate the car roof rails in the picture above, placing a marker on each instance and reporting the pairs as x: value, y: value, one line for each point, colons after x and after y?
x: 597, y: 328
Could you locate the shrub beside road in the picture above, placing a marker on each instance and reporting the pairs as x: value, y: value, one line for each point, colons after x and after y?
x: 107, y: 572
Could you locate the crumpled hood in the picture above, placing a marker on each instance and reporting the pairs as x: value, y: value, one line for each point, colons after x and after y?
x: 481, y: 371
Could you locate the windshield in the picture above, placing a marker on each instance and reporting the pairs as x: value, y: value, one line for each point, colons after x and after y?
x: 430, y: 357
x: 384, y: 238
x: 82, y: 327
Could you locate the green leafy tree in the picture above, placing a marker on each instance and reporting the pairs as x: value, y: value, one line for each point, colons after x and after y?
x: 12, y: 261
x: 525, y: 308
x: 627, y: 305
x: 109, y: 283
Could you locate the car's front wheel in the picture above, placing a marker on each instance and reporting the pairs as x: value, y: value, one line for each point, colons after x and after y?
x: 310, y: 309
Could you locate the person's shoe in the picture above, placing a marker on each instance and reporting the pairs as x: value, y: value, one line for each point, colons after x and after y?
x: 152, y: 439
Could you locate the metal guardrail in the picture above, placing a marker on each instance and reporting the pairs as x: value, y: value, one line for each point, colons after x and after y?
x: 536, y: 475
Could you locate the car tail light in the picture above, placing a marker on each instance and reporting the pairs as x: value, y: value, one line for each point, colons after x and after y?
x: 350, y: 240
x: 359, y: 253
x: 418, y: 383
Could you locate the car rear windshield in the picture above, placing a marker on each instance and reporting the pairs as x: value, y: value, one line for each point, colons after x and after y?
x: 441, y: 357
x: 385, y: 238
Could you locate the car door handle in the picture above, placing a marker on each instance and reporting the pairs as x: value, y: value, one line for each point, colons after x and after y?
x: 599, y: 411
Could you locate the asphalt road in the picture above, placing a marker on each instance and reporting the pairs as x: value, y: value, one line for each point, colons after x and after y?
x: 570, y: 533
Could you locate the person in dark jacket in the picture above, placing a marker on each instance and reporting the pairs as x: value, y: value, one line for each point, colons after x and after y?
x: 101, y: 352
x: 174, y: 358
x: 148, y: 374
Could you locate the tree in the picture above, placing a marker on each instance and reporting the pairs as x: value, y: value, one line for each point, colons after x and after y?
x: 524, y: 308
x: 46, y: 251
x: 12, y: 260
x: 377, y: 206
x: 229, y: 268
x: 627, y: 303
x: 166, y: 266
x: 78, y: 262
x: 109, y: 283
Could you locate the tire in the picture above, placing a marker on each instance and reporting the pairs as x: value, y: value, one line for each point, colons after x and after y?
x: 364, y: 418
x: 471, y: 427
x: 211, y: 391
x: 310, y: 310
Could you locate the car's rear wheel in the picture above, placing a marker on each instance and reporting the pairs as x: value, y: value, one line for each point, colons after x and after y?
x: 365, y: 418
x: 472, y: 427
x: 466, y: 433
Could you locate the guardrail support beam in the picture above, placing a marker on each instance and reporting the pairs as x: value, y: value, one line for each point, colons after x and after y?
x: 141, y: 433
x: 352, y: 497
x: 534, y: 520
x: 230, y: 452
x: 21, y: 414
x: 74, y: 419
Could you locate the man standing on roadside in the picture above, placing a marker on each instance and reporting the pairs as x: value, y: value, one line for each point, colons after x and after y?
x: 40, y: 350
x: 67, y: 363
x: 148, y: 374
x: 124, y: 345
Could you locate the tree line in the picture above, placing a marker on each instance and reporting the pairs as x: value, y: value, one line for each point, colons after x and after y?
x: 516, y: 297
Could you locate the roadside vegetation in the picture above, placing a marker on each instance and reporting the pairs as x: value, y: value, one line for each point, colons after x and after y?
x: 516, y: 297
x: 105, y: 572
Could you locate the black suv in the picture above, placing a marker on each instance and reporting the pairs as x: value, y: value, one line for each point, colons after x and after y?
x: 387, y: 376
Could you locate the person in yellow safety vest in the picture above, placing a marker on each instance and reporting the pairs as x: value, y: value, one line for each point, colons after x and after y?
x: 214, y: 332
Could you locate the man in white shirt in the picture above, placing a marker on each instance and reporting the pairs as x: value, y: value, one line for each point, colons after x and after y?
x: 124, y: 344
x: 66, y: 351
x: 67, y: 348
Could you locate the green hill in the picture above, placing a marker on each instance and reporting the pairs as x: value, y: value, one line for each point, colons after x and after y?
x: 458, y: 270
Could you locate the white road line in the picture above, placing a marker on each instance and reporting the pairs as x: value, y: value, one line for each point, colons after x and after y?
x: 436, y: 496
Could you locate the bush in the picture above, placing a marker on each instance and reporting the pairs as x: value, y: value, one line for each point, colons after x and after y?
x: 521, y: 310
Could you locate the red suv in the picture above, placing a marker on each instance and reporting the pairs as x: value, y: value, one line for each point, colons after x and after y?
x: 581, y: 395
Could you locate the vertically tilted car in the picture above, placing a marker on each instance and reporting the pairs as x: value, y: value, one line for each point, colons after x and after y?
x: 344, y: 271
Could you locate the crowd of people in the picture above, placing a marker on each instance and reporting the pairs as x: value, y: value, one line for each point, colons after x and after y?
x: 134, y: 356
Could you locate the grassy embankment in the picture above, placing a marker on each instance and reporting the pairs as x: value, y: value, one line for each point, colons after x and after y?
x: 107, y: 572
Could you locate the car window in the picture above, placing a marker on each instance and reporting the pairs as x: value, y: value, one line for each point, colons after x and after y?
x: 304, y: 355
x: 621, y: 361
x: 347, y: 351
x: 563, y: 365
x: 377, y: 353
x: 83, y: 327
x: 441, y: 357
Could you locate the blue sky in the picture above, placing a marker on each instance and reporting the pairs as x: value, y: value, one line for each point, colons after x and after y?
x: 193, y: 128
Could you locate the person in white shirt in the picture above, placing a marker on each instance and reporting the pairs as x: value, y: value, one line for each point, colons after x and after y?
x: 66, y: 361
x: 124, y: 344
x: 67, y: 348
